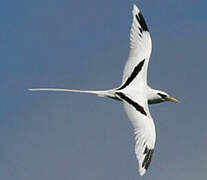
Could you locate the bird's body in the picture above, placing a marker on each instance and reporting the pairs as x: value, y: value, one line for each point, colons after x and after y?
x: 134, y: 91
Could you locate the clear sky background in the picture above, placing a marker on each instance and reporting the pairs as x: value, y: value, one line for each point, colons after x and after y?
x: 84, y: 44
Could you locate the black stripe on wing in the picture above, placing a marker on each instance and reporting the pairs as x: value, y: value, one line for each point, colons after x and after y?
x: 142, y: 22
x: 135, y: 72
x: 148, y: 157
x: 130, y: 101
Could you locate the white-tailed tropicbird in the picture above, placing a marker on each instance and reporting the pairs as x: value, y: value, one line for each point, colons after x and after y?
x: 135, y: 92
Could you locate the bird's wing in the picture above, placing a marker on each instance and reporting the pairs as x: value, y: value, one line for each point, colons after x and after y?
x: 144, y: 129
x: 135, y: 70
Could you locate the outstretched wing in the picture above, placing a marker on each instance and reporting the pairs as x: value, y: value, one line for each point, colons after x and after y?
x: 140, y: 51
x: 144, y: 129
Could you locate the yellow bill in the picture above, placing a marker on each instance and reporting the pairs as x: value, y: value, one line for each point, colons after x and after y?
x: 173, y: 100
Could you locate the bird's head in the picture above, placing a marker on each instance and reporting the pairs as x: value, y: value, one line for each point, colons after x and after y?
x: 160, y: 96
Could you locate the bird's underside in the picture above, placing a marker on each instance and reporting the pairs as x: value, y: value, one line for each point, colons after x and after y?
x: 133, y: 91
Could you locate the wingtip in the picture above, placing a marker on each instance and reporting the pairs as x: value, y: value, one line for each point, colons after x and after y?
x: 142, y: 171
x: 135, y: 9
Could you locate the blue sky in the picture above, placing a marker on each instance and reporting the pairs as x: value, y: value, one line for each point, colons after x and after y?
x: 84, y: 44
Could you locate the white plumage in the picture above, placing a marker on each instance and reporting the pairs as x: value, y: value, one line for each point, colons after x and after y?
x: 135, y: 92
x: 140, y: 48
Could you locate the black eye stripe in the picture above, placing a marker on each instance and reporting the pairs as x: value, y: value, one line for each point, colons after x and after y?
x: 162, y: 95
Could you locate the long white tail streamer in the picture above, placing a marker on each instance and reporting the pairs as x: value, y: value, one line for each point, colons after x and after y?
x: 106, y: 93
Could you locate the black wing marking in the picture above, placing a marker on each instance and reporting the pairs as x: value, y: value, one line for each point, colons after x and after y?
x: 130, y: 101
x: 142, y: 22
x: 135, y: 72
x: 148, y: 157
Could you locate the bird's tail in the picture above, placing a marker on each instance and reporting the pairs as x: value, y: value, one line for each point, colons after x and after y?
x: 105, y: 93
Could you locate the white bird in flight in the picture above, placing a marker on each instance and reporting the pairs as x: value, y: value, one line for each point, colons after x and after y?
x: 134, y: 91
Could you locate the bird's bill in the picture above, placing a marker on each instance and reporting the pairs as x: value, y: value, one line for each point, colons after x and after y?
x: 173, y: 100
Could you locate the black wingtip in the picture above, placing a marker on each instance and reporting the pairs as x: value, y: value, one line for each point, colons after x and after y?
x: 148, y: 157
x: 141, y: 21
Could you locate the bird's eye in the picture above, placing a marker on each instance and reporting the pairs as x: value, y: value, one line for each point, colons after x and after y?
x: 162, y: 95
